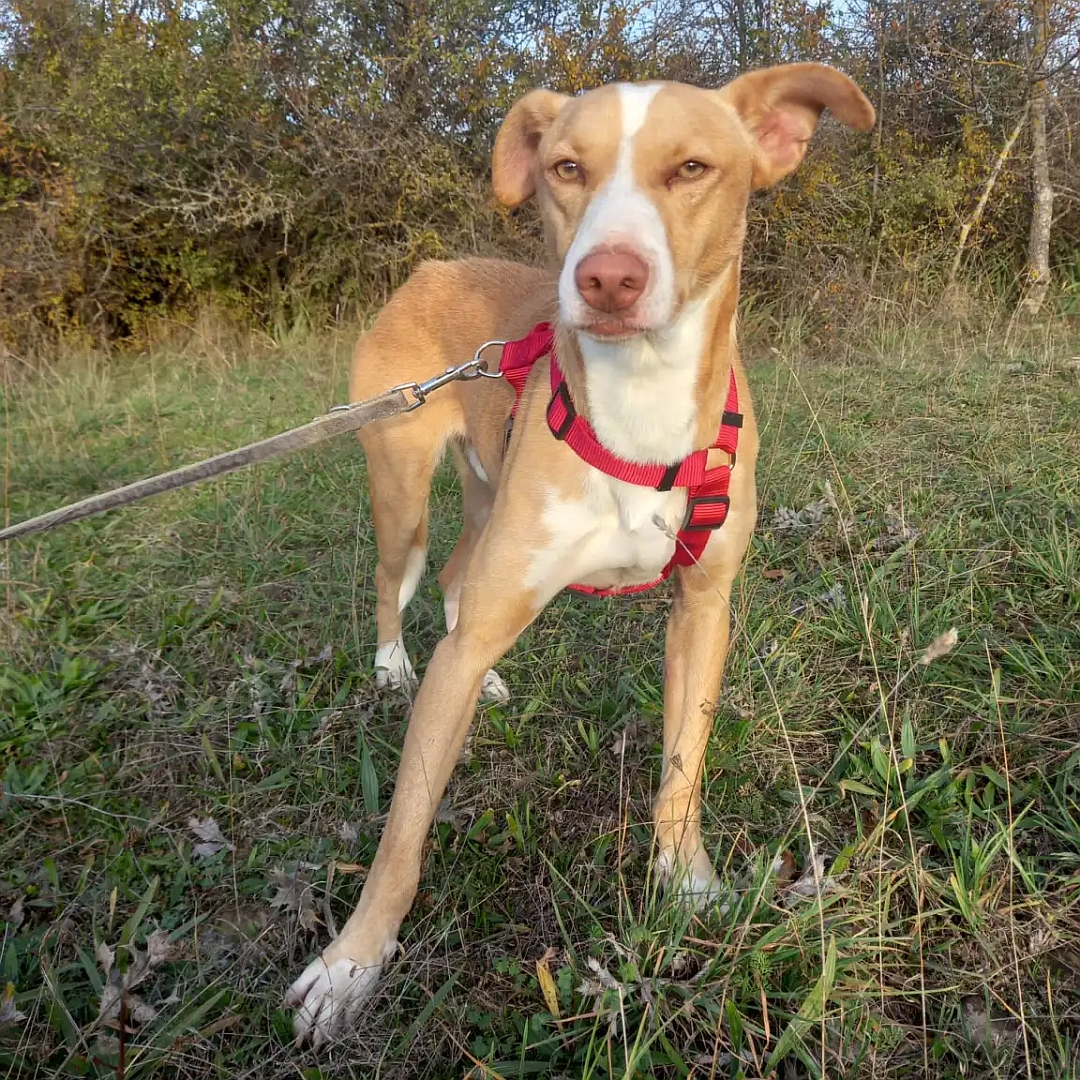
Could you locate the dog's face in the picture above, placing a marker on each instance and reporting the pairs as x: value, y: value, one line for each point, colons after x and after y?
x: 643, y: 187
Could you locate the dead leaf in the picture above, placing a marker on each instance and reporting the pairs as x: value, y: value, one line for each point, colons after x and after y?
x: 116, y: 998
x: 547, y: 983
x: 812, y: 881
x: 105, y: 957
x: 349, y: 868
x: 15, y: 915
x: 8, y: 1013
x: 774, y: 575
x: 634, y: 734
x: 349, y: 833
x: 784, y: 867
x: 209, y: 833
x: 447, y: 815
x: 294, y: 896
x: 981, y: 1028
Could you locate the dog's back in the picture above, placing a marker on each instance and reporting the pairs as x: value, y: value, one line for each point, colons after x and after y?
x: 440, y: 316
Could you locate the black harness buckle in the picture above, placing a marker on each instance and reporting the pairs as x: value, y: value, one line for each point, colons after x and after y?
x: 562, y: 394
x: 704, y: 500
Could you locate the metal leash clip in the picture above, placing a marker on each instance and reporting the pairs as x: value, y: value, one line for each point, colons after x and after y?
x: 476, y: 368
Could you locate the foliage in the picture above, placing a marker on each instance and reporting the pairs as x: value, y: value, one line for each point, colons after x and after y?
x: 291, y: 160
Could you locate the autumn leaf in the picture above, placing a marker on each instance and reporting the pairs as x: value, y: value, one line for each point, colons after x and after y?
x: 547, y: 982
x: 208, y: 833
x: 294, y: 896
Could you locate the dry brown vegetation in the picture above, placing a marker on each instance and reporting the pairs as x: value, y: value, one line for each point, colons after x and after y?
x: 287, y: 162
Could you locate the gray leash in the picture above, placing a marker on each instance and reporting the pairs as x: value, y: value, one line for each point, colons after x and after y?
x: 342, y: 418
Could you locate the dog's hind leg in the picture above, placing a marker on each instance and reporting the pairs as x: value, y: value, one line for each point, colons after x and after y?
x: 400, y: 466
x: 476, y: 498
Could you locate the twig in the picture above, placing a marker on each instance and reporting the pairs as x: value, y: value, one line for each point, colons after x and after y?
x: 984, y: 198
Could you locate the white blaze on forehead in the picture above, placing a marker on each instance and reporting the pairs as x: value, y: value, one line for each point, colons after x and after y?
x: 621, y: 214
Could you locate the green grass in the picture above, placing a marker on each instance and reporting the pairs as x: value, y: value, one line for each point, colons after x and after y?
x: 206, y: 655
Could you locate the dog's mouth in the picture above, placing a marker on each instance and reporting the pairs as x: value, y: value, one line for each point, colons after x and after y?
x: 607, y: 329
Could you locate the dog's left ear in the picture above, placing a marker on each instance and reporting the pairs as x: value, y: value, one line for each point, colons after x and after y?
x: 513, y: 162
x: 781, y: 107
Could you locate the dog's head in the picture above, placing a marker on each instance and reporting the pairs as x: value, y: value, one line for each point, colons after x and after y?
x: 643, y: 188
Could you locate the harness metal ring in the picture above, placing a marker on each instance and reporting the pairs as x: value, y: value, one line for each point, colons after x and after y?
x: 481, y: 370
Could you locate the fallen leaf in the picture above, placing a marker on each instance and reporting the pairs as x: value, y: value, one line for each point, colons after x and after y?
x: 784, y: 867
x: 349, y: 868
x: 812, y: 881
x: 209, y: 833
x: 105, y: 957
x: 547, y: 982
x: 15, y: 915
x: 349, y: 833
x: 159, y: 949
x: 116, y: 998
x: 8, y: 1013
x: 294, y: 896
x: 774, y: 575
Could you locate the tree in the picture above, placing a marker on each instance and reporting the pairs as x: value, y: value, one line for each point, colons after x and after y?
x: 1037, y: 281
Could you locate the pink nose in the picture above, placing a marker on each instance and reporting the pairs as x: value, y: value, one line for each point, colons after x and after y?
x: 611, y: 280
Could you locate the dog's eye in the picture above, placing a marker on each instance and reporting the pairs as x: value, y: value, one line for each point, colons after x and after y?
x: 691, y: 170
x: 567, y: 170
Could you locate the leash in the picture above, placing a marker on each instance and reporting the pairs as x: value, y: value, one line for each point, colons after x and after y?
x: 340, y: 419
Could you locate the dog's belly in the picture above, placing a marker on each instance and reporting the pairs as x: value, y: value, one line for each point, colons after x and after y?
x: 616, y: 534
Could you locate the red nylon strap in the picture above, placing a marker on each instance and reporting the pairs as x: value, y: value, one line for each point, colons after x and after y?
x: 518, y: 357
x: 707, y: 489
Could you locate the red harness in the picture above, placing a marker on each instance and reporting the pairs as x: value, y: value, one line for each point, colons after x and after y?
x: 706, y: 489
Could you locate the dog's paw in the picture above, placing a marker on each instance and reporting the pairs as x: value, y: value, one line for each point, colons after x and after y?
x: 699, y: 894
x: 697, y: 885
x: 328, y: 996
x: 493, y: 688
x: 393, y: 669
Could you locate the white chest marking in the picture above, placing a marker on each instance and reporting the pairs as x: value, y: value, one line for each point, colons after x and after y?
x: 641, y: 393
x: 615, y: 534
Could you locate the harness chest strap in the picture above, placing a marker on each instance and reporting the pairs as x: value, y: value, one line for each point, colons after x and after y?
x: 707, y: 489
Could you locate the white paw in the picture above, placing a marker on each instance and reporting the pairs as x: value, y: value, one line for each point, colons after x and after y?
x: 328, y: 997
x: 696, y: 886
x: 493, y: 688
x: 393, y: 670
x: 698, y: 893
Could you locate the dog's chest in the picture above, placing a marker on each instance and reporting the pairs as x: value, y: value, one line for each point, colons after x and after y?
x: 615, y: 534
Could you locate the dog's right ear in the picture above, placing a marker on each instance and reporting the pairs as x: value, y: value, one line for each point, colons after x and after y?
x: 513, y: 163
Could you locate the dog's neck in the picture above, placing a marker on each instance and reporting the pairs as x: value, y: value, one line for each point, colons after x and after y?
x: 659, y: 396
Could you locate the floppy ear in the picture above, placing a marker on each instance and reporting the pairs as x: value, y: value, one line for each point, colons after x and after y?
x: 513, y: 162
x: 781, y: 107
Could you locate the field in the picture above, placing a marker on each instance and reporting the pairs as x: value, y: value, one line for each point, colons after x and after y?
x: 195, y: 762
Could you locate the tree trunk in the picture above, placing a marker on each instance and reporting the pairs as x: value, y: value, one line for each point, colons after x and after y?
x: 1037, y: 282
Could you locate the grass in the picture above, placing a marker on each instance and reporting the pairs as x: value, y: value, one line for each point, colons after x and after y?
x: 206, y: 656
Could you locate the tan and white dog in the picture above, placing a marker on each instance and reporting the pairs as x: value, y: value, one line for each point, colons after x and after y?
x: 643, y: 190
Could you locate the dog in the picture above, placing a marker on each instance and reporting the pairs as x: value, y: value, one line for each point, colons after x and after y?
x: 621, y: 439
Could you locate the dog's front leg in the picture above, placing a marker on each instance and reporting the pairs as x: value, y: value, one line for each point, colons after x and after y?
x: 694, y: 655
x: 330, y: 992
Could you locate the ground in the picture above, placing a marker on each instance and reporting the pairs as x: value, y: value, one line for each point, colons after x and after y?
x: 196, y: 764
